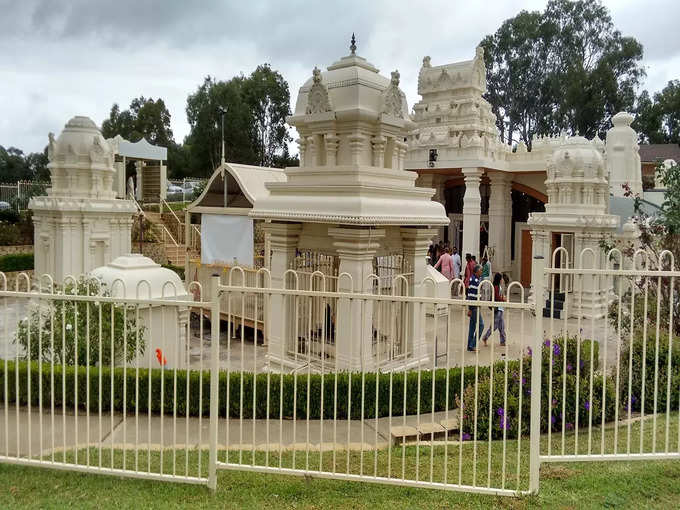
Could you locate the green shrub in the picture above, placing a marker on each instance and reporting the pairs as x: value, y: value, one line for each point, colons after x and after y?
x: 9, y: 216
x: 16, y: 262
x: 254, y: 390
x: 647, y: 371
x: 61, y: 329
x: 493, y: 407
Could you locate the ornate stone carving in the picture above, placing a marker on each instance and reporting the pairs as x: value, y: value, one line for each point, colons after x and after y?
x: 318, y: 100
x: 392, y: 98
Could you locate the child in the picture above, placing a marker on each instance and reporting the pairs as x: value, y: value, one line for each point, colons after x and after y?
x: 498, y: 319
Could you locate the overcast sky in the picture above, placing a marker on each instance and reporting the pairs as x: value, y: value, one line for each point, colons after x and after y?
x: 69, y: 57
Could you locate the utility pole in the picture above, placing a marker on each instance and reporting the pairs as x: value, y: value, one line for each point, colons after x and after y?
x: 223, y: 112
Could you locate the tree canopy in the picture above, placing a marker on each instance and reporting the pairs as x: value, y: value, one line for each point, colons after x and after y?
x: 564, y: 69
x: 255, y: 132
x: 146, y: 118
x: 658, y: 118
x: 17, y: 166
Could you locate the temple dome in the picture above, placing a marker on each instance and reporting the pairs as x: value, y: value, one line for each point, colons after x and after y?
x: 80, y: 161
x: 576, y: 158
x: 349, y: 85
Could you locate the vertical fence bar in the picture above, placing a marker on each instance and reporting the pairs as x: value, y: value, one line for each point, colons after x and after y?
x: 538, y: 269
x: 214, y: 378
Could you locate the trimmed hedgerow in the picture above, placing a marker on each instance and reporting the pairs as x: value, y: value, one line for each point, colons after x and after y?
x: 16, y: 262
x: 71, y: 383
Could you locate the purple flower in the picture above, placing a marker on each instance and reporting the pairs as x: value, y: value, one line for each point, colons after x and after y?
x: 552, y: 419
x: 570, y: 426
x: 587, y: 405
x: 500, y: 411
x: 581, y: 364
x: 503, y: 423
x: 569, y: 367
x: 466, y: 436
x: 556, y: 349
x: 524, y: 381
x: 633, y: 399
x: 529, y: 351
x: 546, y: 342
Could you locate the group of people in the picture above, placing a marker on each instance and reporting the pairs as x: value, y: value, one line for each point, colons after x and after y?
x: 449, y: 263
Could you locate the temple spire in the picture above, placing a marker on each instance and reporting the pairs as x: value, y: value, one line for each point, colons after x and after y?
x: 353, y: 45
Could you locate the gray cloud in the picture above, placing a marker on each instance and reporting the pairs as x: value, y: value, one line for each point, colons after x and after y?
x: 61, y: 58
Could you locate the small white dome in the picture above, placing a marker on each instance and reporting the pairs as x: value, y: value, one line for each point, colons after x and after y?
x: 351, y: 83
x: 135, y: 275
x: 577, y: 157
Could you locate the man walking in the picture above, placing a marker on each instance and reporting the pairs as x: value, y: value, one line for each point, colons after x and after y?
x: 457, y: 263
x: 476, y: 328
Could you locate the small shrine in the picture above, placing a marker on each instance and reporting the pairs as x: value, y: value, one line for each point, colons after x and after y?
x: 80, y: 224
x: 350, y: 206
x: 577, y: 219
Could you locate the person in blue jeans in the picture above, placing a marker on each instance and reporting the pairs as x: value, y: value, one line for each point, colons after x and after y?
x: 474, y: 312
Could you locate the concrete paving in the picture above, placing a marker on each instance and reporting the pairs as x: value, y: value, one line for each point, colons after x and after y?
x: 24, y: 436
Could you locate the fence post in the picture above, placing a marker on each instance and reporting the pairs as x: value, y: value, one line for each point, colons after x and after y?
x: 537, y: 280
x: 214, y: 377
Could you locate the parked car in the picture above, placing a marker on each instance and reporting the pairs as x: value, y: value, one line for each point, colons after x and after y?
x: 4, y: 206
x: 174, y: 189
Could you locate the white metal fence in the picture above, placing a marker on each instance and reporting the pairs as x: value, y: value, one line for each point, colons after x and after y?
x: 381, y: 389
x: 17, y: 195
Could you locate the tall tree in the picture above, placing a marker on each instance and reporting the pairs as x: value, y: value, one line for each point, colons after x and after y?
x: 566, y: 68
x: 146, y: 118
x: 254, y: 123
x: 658, y: 120
x: 17, y: 166
x: 204, y: 109
x: 267, y: 95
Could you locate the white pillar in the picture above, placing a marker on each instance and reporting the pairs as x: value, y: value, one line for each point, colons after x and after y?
x: 415, y: 242
x: 356, y: 249
x: 500, y: 215
x: 472, y: 211
x: 284, y: 240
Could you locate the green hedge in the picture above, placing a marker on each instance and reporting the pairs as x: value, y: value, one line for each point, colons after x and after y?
x: 16, y: 262
x: 233, y: 381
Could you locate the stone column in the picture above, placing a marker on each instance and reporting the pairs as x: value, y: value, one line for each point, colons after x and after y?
x: 284, y: 239
x: 312, y: 151
x: 415, y: 242
x: 472, y: 211
x: 400, y: 149
x: 356, y: 249
x: 378, y: 144
x: 138, y: 191
x: 540, y: 247
x: 302, y: 146
x: 590, y: 291
x: 356, y: 144
x: 500, y: 215
x: 331, y: 141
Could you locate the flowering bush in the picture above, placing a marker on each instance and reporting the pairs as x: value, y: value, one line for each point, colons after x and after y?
x: 498, y: 414
x: 69, y: 331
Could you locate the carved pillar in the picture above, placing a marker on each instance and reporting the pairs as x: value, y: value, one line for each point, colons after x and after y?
x: 311, y: 144
x: 415, y: 242
x: 302, y: 147
x: 331, y: 142
x: 356, y: 249
x: 472, y: 211
x: 284, y: 239
x: 500, y: 215
x: 400, y: 149
x: 356, y: 144
x: 378, y: 144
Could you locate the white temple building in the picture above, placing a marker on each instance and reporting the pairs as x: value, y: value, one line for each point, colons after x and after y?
x: 488, y: 189
x: 80, y: 224
x: 352, y: 202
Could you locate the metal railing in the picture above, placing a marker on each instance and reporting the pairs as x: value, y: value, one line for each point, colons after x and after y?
x: 305, y: 375
x: 18, y: 194
x: 159, y: 229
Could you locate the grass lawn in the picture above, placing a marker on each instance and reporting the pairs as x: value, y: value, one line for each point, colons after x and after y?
x: 643, y: 484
